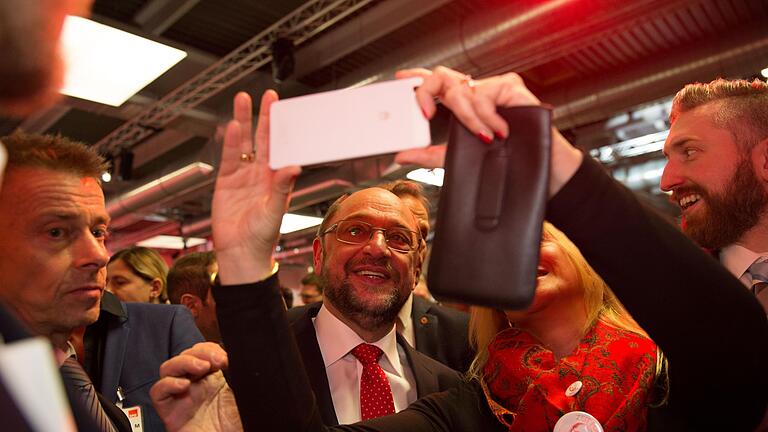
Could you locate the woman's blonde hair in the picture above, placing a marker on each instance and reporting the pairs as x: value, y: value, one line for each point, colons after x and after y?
x: 147, y: 264
x: 599, y: 301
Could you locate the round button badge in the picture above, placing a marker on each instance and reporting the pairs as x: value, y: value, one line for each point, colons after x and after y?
x: 578, y: 421
x: 573, y: 388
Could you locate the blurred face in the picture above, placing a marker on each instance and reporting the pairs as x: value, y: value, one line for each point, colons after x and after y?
x: 52, y: 254
x: 557, y: 284
x: 206, y: 318
x: 310, y: 294
x: 711, y: 179
x: 128, y: 286
x: 368, y: 283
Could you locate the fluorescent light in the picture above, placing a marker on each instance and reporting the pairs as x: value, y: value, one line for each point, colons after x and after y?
x: 428, y: 176
x: 764, y: 72
x: 108, y: 65
x: 645, y: 144
x: 170, y: 242
x: 293, y: 222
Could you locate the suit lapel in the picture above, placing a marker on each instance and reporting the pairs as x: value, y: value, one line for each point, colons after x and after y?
x: 114, y: 353
x: 304, y: 332
x: 426, y: 380
x: 424, y: 326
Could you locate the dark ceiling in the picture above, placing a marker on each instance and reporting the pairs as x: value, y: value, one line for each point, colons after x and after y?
x: 594, y: 60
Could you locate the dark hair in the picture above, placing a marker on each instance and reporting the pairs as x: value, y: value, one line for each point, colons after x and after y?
x: 53, y: 152
x: 189, y: 275
x: 742, y: 110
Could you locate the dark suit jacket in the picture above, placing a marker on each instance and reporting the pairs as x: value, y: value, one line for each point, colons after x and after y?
x: 13, y: 420
x: 442, y: 333
x: 430, y: 375
x: 127, y: 345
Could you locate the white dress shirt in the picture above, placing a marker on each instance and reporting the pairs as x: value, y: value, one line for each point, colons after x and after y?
x: 405, y: 322
x: 336, y: 340
x: 737, y: 259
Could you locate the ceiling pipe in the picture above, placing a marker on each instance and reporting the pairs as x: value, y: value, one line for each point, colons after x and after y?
x: 746, y: 54
x: 519, y: 34
x: 133, y: 205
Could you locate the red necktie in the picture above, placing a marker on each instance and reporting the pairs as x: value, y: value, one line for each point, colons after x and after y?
x: 375, y: 392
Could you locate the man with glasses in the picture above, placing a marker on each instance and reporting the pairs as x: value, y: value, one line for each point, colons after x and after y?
x: 367, y: 258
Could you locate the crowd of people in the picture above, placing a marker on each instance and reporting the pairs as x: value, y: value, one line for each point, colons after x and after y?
x: 635, y: 325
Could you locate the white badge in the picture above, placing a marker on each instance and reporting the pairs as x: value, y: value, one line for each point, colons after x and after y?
x: 578, y: 421
x: 134, y: 417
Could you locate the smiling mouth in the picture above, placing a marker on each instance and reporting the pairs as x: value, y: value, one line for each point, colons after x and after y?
x: 372, y: 274
x: 688, y: 200
x: 541, y: 271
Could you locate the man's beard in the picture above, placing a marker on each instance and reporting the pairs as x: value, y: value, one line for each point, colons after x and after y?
x: 341, y: 294
x: 726, y: 216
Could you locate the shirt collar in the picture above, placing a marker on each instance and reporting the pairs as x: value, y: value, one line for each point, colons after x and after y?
x: 336, y: 340
x: 404, y: 320
x: 737, y: 258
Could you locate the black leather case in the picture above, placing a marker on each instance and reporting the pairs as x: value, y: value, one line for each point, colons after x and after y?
x: 492, y: 204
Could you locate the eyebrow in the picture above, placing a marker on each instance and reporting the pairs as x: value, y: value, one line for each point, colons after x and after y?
x: 364, y: 218
x: 675, y: 146
x: 71, y: 216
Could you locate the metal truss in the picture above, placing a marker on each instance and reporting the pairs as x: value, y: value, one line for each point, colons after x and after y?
x: 303, y: 23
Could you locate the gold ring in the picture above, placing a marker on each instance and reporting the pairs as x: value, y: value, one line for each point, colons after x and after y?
x: 247, y: 157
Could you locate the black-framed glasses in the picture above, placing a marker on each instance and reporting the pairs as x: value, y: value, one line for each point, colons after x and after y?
x: 357, y: 232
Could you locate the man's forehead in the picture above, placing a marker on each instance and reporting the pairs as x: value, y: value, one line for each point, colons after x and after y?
x: 49, y: 187
x: 375, y: 202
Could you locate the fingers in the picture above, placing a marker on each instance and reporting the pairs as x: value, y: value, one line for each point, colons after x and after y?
x: 164, y: 390
x: 430, y: 157
x: 424, y: 97
x: 230, y: 151
x: 196, y: 362
x: 242, y: 112
x: 282, y: 186
x: 262, y: 128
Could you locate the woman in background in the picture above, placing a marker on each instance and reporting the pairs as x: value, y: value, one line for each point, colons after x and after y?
x: 138, y: 274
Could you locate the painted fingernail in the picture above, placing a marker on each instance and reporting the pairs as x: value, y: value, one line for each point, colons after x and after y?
x: 423, y: 111
x: 484, y: 137
x: 499, y: 135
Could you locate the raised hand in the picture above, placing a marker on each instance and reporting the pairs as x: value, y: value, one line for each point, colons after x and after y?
x: 474, y: 103
x: 250, y: 198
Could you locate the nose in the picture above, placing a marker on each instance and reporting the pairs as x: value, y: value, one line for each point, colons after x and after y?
x: 670, y: 177
x: 90, y: 252
x: 377, y: 244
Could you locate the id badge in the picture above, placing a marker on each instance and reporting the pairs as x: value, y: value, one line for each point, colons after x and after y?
x: 135, y: 418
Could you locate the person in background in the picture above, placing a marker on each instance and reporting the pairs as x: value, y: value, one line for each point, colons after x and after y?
x: 138, y: 274
x: 311, y: 291
x: 189, y: 283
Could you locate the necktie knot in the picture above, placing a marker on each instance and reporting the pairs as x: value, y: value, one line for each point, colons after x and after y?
x: 367, y: 353
x: 758, y: 271
x: 756, y: 277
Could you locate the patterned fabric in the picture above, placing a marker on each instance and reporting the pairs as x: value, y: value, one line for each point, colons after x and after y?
x: 375, y: 393
x: 756, y: 277
x: 72, y: 369
x: 615, y: 368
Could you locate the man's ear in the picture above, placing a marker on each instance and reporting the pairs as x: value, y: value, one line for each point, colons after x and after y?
x: 317, y: 255
x: 760, y: 159
x: 193, y: 303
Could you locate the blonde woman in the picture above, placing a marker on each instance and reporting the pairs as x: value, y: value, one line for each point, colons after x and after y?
x: 138, y: 274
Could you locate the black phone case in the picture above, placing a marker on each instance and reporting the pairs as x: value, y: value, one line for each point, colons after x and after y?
x: 492, y: 204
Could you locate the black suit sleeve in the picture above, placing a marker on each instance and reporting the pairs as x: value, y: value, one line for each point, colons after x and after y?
x: 711, y: 328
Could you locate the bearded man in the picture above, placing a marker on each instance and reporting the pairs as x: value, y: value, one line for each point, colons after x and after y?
x: 717, y: 171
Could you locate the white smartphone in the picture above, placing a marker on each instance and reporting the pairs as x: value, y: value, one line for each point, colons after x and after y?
x: 347, y: 124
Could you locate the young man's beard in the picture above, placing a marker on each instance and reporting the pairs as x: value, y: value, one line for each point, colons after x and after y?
x: 726, y: 216
x: 341, y: 294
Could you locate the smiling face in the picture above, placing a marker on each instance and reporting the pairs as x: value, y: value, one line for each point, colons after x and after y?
x: 557, y: 285
x: 52, y: 254
x: 367, y: 283
x: 712, y: 179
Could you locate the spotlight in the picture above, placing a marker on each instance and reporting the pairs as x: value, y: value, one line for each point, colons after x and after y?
x: 282, y: 59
